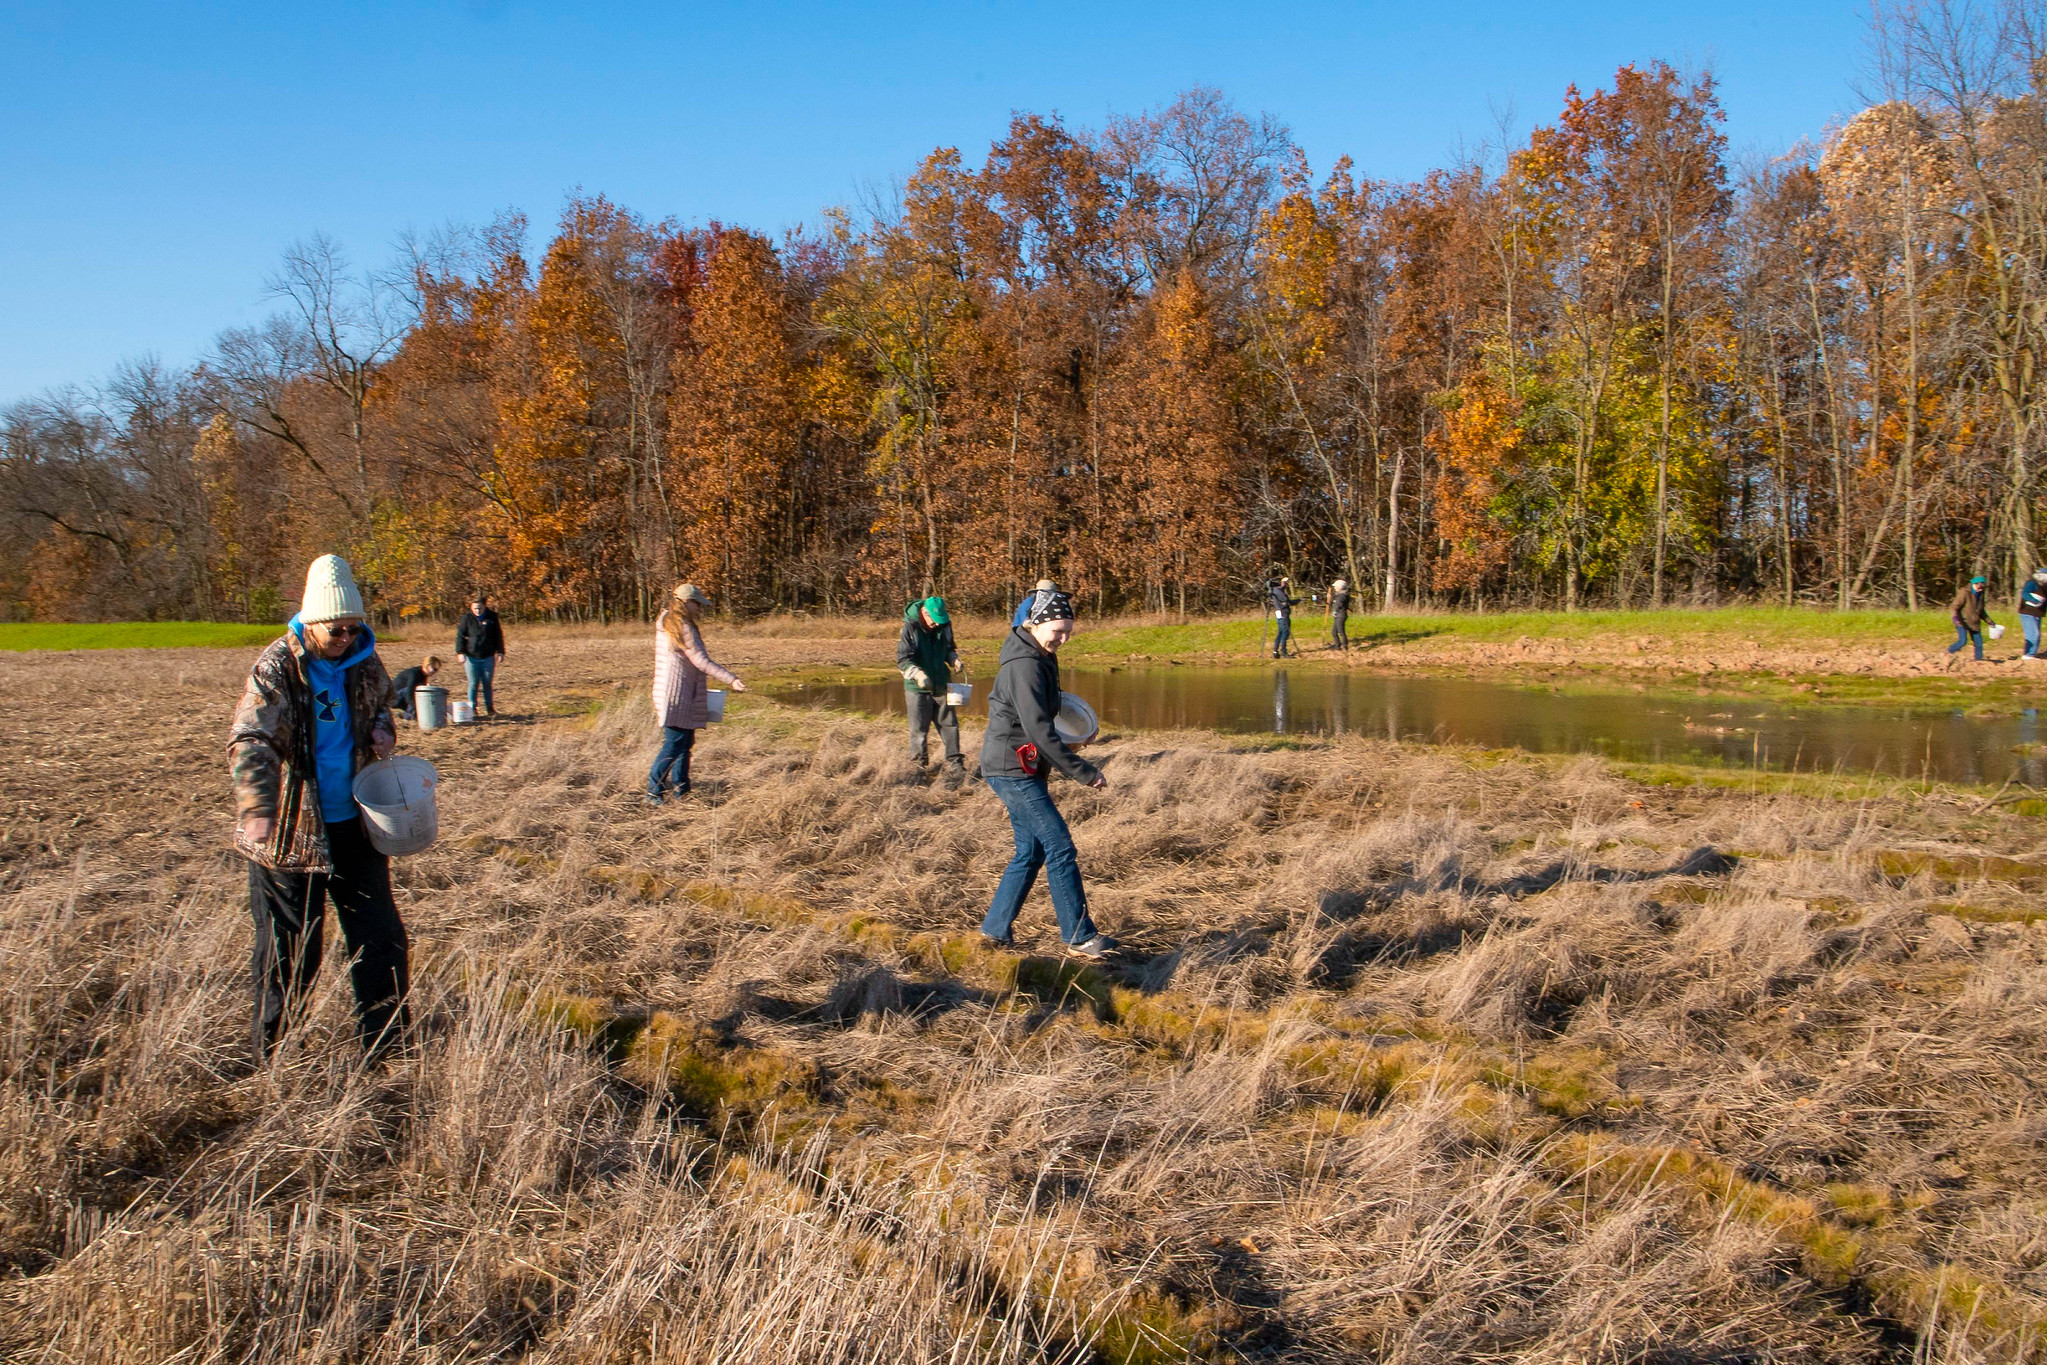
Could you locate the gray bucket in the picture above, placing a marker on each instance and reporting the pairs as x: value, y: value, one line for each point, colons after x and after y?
x: 430, y: 704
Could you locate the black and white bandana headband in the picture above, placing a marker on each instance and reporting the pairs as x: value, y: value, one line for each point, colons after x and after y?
x: 1051, y: 606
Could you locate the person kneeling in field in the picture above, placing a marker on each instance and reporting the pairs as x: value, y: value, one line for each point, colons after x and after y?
x: 926, y: 656
x: 316, y: 709
x: 1017, y: 756
x: 411, y: 680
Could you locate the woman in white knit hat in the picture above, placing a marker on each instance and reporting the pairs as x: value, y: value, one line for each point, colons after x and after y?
x: 316, y: 709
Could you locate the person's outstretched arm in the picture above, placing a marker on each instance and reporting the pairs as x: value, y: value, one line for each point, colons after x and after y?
x: 693, y: 650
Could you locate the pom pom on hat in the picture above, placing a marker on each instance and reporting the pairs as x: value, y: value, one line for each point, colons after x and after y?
x: 331, y: 593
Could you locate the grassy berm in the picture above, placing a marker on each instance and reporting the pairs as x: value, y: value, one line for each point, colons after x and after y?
x: 1420, y: 1054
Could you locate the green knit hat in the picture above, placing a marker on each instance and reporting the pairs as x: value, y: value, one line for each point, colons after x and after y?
x: 934, y: 607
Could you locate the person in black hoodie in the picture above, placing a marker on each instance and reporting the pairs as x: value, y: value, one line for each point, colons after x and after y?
x: 480, y: 645
x: 1280, y: 596
x: 411, y: 680
x: 1017, y: 756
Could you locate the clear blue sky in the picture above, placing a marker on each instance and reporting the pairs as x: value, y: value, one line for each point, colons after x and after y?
x: 155, y: 159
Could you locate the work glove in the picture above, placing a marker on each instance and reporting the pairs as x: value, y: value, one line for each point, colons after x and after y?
x: 918, y: 676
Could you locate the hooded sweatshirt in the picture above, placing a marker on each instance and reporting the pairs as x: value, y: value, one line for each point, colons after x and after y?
x: 333, y: 739
x: 1021, y: 705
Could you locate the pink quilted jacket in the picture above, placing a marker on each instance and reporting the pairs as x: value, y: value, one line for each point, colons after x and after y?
x: 679, y: 686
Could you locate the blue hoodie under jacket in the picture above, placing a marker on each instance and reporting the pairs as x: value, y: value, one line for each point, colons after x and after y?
x: 333, y: 740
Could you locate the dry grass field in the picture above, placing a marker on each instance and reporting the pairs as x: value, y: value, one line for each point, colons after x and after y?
x: 1419, y: 1054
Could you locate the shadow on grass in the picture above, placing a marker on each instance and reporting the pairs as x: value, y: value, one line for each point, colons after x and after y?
x: 1352, y: 949
x: 1369, y: 640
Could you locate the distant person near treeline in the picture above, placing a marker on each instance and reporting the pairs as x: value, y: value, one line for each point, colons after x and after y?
x: 682, y: 700
x: 480, y: 645
x: 1018, y: 753
x: 926, y: 656
x: 1279, y: 596
x: 1970, y: 613
x: 315, y: 710
x: 1339, y: 615
x: 2032, y: 606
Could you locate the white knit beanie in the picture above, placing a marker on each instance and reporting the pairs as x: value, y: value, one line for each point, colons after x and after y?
x: 331, y: 594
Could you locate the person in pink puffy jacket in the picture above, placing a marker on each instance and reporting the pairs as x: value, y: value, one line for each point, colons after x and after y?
x: 681, y: 696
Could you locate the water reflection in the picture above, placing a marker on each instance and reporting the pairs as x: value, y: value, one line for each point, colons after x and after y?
x: 1947, y: 746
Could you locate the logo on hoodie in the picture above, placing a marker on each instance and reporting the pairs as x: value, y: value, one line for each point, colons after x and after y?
x: 329, y: 705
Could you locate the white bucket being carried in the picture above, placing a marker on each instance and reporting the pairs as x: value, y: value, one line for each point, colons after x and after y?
x: 1076, y: 722
x: 714, y: 699
x: 461, y: 713
x: 396, y: 796
x: 958, y: 694
x: 1996, y: 632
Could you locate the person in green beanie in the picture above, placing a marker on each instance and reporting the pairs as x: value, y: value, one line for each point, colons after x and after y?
x: 926, y: 657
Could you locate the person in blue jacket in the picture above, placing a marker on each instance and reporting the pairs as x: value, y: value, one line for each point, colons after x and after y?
x: 2032, y: 605
x: 1045, y: 588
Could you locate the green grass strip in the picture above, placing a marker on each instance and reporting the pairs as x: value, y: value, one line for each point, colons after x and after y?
x: 135, y: 635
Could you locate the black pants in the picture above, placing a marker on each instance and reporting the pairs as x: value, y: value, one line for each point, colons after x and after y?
x: 290, y: 912
x: 1339, y: 632
x: 924, y: 708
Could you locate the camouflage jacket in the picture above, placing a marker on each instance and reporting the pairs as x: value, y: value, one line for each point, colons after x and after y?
x: 270, y: 752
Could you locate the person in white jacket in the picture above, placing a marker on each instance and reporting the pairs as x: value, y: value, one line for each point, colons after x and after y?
x: 681, y: 696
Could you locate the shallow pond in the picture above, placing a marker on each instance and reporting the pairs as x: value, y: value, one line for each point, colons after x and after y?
x: 1943, y: 745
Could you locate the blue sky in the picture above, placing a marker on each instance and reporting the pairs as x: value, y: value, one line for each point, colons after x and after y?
x: 156, y: 159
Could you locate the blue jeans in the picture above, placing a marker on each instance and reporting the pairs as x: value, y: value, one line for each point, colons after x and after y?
x: 1962, y: 636
x: 1042, y: 840
x: 480, y: 672
x: 2031, y: 626
x: 1285, y: 634
x: 670, y: 774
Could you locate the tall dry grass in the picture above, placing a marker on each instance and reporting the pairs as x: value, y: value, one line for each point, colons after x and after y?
x: 1418, y: 1056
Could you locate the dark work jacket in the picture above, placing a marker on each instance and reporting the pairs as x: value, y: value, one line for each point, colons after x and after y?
x: 1971, y: 609
x: 1282, y: 605
x: 406, y: 683
x: 1339, y: 603
x: 929, y: 648
x: 2033, y: 599
x: 1021, y: 706
x: 480, y: 637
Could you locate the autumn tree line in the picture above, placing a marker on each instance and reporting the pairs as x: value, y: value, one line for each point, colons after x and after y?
x: 1156, y: 361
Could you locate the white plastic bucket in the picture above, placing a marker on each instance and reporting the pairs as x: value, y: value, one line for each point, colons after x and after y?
x: 1076, y: 722
x: 1996, y: 632
x: 430, y: 705
x: 461, y: 713
x: 396, y: 797
x: 714, y: 698
x: 958, y: 694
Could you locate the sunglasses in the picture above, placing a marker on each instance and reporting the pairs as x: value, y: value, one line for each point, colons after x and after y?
x: 344, y: 629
